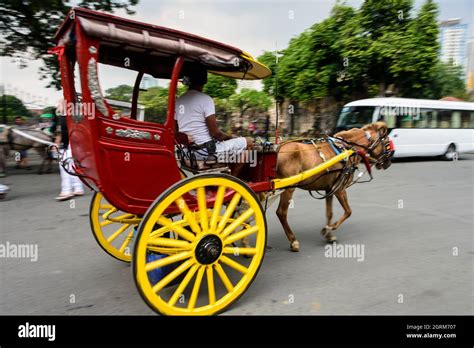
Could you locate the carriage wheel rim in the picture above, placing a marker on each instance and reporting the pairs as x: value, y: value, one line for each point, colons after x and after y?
x: 100, y: 207
x: 205, y: 229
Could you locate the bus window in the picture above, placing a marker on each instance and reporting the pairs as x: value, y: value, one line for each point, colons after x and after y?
x: 456, y: 119
x: 355, y: 116
x: 467, y: 119
x: 432, y: 118
x: 406, y: 121
x: 421, y: 118
x: 445, y: 118
x: 389, y: 119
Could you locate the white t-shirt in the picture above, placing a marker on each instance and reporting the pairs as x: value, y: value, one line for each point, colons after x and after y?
x: 191, y: 111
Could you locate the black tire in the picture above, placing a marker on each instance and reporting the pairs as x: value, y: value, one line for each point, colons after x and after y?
x: 450, y: 153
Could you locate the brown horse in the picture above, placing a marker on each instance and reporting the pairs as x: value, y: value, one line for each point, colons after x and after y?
x: 296, y: 157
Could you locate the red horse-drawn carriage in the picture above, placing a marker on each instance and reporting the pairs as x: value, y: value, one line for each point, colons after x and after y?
x: 187, y: 257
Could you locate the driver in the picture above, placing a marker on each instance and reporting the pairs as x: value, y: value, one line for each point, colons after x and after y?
x: 195, y: 116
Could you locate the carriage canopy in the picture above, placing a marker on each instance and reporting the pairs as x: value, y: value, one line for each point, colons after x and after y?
x: 143, y: 43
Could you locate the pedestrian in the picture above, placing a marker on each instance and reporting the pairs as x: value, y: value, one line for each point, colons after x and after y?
x: 70, y: 185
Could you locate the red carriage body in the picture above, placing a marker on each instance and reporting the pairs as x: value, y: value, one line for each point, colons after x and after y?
x: 132, y: 162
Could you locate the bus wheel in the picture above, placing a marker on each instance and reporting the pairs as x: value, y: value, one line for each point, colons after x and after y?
x: 450, y: 153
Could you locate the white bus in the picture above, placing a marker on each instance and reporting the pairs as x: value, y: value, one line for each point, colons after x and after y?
x: 418, y: 127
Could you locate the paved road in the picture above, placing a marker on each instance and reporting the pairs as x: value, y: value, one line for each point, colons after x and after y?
x: 408, y: 251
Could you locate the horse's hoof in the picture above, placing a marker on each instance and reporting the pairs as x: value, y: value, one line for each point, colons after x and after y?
x: 295, y: 246
x: 327, y: 235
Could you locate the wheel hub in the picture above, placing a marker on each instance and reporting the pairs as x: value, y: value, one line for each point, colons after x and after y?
x: 208, y: 249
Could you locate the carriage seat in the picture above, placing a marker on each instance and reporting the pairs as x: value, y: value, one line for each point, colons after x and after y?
x: 186, y: 153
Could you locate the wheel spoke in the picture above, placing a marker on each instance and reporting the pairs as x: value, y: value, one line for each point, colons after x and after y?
x: 183, y: 285
x: 162, y: 250
x: 108, y: 222
x: 106, y: 206
x: 172, y: 275
x: 228, y: 212
x: 127, y: 241
x: 162, y: 230
x: 241, y: 234
x: 227, y: 283
x: 240, y: 251
x: 117, y: 233
x: 167, y: 260
x: 201, y: 195
x: 176, y: 228
x: 196, y: 287
x: 237, y: 222
x: 210, y: 284
x: 188, y: 215
x: 170, y: 242
x: 217, y: 207
x: 235, y: 265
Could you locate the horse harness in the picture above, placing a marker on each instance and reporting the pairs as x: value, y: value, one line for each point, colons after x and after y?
x: 350, y: 165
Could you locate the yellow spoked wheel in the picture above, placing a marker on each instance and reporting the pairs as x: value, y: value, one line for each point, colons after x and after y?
x: 113, y: 229
x: 201, y: 273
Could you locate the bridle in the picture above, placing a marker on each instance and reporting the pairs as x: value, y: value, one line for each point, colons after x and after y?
x: 367, y: 152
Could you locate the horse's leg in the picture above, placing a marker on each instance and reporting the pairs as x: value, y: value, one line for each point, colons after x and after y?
x: 341, y: 196
x: 329, y: 209
x: 326, y: 231
x: 282, y: 213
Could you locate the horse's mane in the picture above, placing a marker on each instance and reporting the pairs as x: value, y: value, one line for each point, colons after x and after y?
x: 350, y: 135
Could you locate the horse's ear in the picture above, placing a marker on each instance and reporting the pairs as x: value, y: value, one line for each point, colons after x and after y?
x: 380, y: 127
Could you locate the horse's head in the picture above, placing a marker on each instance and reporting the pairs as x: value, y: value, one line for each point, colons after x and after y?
x: 380, y: 148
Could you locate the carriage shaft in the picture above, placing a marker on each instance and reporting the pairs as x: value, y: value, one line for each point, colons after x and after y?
x: 295, y: 179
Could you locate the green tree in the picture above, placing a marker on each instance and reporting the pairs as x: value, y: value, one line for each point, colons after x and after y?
x: 312, y: 65
x: 270, y: 83
x: 121, y: 92
x: 248, y: 99
x: 220, y: 86
x: 28, y: 28
x: 12, y: 107
x: 421, y: 54
x: 447, y: 80
x: 155, y: 101
x: 386, y: 26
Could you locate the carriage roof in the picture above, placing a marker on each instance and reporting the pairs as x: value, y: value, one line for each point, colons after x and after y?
x: 145, y: 43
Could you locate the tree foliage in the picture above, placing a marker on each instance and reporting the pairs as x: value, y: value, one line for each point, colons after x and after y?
x: 357, y: 53
x: 220, y: 87
x: 12, y: 107
x: 121, y: 92
x: 28, y: 28
x: 248, y: 99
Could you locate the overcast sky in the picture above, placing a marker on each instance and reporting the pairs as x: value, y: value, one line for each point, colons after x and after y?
x: 253, y: 26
